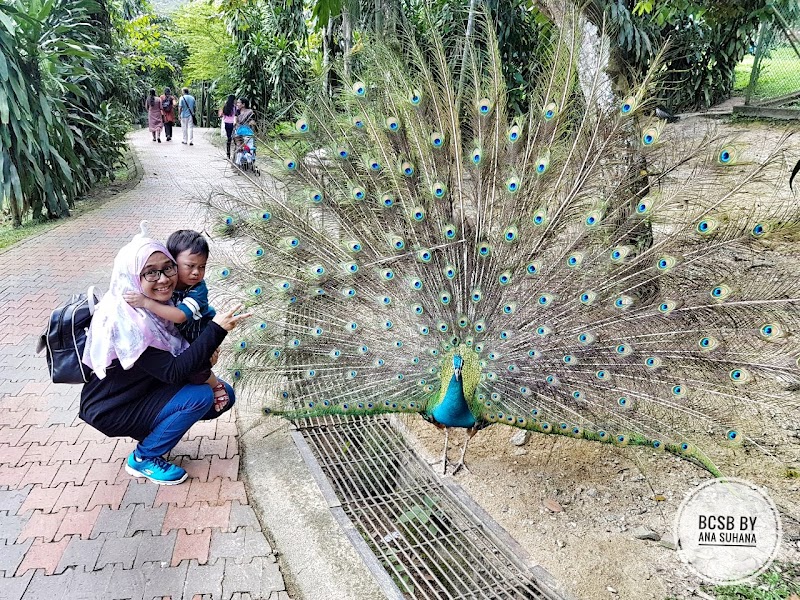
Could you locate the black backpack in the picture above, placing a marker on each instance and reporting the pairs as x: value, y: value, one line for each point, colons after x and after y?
x: 64, y: 338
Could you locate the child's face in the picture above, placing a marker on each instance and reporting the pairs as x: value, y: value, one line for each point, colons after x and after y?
x: 191, y: 268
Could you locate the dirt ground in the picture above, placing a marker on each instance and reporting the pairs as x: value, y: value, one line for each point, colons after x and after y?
x: 604, y: 494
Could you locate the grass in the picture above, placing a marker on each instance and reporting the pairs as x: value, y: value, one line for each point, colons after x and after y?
x: 780, y: 73
x: 780, y: 582
x: 125, y: 176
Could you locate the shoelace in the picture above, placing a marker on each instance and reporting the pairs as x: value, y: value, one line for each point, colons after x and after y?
x: 161, y: 463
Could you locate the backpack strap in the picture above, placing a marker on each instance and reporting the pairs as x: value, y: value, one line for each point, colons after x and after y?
x: 90, y: 298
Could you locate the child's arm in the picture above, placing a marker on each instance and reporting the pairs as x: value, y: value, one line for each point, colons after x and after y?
x: 165, y: 311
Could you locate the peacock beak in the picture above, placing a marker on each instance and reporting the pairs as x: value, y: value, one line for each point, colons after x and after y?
x: 457, y: 373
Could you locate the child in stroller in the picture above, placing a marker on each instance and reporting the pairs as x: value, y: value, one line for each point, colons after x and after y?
x: 244, y: 154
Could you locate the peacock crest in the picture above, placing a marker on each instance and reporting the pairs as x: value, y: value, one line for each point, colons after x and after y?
x: 590, y: 269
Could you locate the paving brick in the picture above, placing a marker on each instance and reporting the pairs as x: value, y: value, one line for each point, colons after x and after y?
x: 90, y: 434
x: 233, y: 447
x: 148, y: 519
x: 191, y: 546
x: 78, y: 522
x: 243, y: 515
x: 126, y: 584
x: 37, y: 435
x: 101, y: 451
x: 62, y: 412
x: 200, y: 429
x: 155, y: 548
x: 227, y: 545
x: 255, y: 544
x: 42, y: 474
x: 259, y: 578
x: 209, y: 447
x: 75, y: 496
x: 232, y: 490
x: 11, y: 526
x: 203, y: 491
x: 81, y: 554
x: 12, y: 588
x: 42, y: 525
x: 34, y: 417
x: 12, y: 477
x: 67, y: 434
x: 196, y: 468
x: 190, y: 448
x: 140, y: 492
x: 282, y: 595
x: 42, y: 498
x: 108, y: 494
x: 37, y: 453
x: 164, y: 581
x: 91, y: 585
x: 11, y: 556
x: 11, y: 455
x: 204, y: 580
x: 179, y: 517
x: 123, y: 448
x: 50, y: 587
x: 226, y: 428
x: 114, y: 522
x: 172, y: 494
x: 9, y: 433
x: 106, y: 471
x: 121, y: 551
x: 68, y: 472
x: 69, y: 453
x: 227, y: 468
x: 43, y: 555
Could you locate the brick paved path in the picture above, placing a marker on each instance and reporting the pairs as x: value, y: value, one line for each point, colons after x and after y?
x: 73, y: 524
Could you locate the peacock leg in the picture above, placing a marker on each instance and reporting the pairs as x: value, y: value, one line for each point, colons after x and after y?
x: 444, y: 452
x: 467, y: 437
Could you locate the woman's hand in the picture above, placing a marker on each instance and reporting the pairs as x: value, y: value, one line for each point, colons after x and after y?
x: 135, y: 299
x: 229, y: 320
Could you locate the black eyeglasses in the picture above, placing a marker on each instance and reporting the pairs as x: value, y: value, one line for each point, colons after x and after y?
x: 155, y: 274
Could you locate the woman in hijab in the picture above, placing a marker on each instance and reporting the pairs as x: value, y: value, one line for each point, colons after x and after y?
x: 154, y: 120
x: 142, y: 366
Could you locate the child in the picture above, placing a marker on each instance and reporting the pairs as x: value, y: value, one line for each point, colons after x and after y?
x: 191, y: 312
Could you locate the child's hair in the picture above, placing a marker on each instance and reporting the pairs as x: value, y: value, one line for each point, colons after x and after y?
x: 187, y: 239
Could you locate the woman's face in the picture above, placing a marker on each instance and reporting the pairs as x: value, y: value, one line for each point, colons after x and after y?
x: 238, y: 104
x: 161, y: 289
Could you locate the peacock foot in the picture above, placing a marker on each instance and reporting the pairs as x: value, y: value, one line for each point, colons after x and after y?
x: 461, y: 465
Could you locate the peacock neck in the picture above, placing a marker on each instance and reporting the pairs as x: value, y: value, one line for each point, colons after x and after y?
x: 453, y: 410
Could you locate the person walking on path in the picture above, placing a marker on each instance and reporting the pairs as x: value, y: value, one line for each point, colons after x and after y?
x: 154, y: 120
x: 168, y: 112
x: 228, y: 115
x: 187, y: 108
x: 142, y: 368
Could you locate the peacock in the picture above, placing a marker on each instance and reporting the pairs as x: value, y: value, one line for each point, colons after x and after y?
x: 583, y: 269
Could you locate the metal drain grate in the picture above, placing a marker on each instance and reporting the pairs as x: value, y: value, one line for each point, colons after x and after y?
x: 422, y: 533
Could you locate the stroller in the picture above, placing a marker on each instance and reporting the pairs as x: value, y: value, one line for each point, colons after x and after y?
x: 244, y: 153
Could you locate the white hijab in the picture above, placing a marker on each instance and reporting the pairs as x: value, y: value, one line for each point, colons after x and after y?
x: 120, y: 331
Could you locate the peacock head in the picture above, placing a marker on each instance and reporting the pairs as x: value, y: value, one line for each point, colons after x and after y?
x: 458, y: 362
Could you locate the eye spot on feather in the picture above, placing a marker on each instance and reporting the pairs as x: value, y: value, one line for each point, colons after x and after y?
x: 359, y: 89
x: 484, y: 106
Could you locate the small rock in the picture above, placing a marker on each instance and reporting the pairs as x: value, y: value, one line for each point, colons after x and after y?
x: 561, y: 543
x: 643, y: 533
x: 520, y: 438
x: 519, y: 452
x: 668, y: 542
x: 612, y: 590
x: 591, y: 492
x: 551, y: 505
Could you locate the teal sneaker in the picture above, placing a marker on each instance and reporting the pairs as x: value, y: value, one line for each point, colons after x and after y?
x: 156, y: 470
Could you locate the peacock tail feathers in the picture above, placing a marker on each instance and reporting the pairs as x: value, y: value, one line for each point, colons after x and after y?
x: 603, y: 276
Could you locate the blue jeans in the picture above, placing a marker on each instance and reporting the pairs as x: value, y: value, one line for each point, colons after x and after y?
x: 191, y: 404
